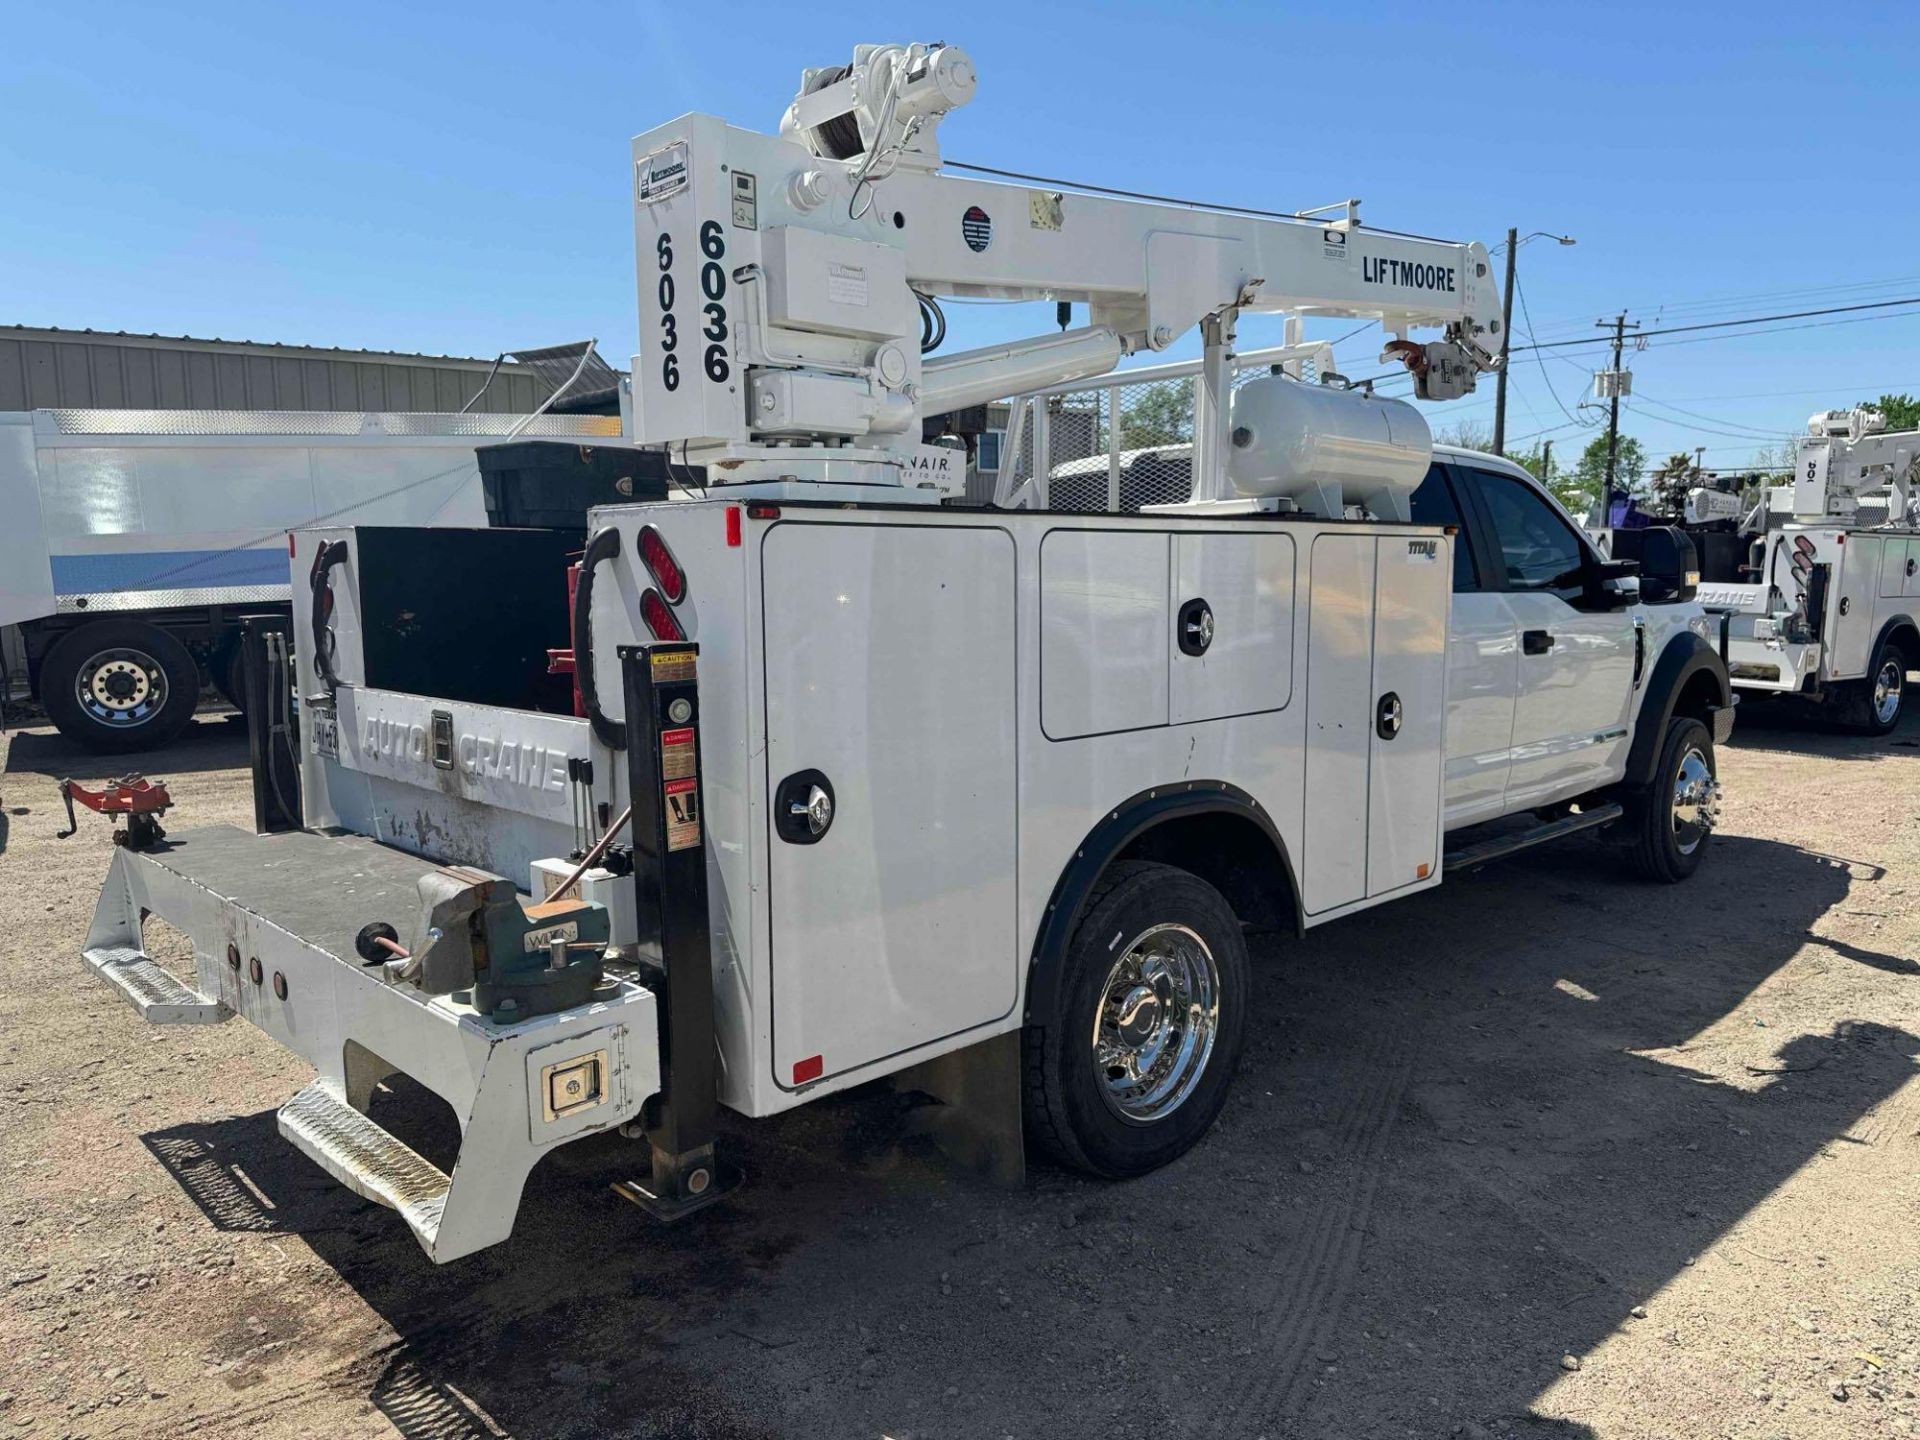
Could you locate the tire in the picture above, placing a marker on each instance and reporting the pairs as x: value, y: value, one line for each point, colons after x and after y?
x: 117, y: 686
x: 1151, y: 934
x: 1873, y: 706
x: 1672, y: 819
x: 229, y: 677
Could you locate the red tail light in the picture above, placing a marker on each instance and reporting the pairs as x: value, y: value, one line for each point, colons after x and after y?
x: 733, y: 527
x: 661, y: 565
x: 659, y: 616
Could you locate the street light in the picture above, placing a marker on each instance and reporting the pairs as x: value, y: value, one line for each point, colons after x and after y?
x: 1514, y: 241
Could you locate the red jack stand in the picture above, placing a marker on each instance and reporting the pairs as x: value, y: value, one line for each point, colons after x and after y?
x: 141, y: 800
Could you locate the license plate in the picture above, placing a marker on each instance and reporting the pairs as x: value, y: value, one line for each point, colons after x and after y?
x: 326, y: 736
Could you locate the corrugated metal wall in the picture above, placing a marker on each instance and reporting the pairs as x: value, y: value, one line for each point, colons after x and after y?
x: 70, y: 370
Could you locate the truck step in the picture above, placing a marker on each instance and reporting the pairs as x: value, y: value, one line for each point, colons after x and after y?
x: 1498, y: 847
x: 158, y: 996
x: 366, y: 1158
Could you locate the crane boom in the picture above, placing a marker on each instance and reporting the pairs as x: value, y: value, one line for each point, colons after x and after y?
x: 788, y: 282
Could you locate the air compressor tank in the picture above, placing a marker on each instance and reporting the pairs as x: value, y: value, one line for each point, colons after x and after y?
x: 1326, y: 448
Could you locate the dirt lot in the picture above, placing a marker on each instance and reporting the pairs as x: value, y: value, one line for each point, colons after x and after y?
x: 1544, y: 1153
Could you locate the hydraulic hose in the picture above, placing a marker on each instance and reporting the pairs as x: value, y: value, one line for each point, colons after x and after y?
x: 603, y: 546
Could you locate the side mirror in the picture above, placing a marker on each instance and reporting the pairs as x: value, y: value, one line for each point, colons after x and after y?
x: 1668, y: 564
x: 1612, y: 584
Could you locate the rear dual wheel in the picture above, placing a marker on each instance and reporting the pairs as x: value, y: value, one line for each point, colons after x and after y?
x: 1872, y: 706
x: 117, y: 686
x: 1134, y: 1061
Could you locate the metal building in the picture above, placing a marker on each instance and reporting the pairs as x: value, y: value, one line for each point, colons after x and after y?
x: 112, y: 370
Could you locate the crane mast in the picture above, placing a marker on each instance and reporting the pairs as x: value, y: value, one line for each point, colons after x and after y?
x: 787, y: 282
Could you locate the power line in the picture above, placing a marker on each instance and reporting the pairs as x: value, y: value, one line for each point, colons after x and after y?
x: 1730, y: 324
x: 1728, y: 301
x: 1522, y: 291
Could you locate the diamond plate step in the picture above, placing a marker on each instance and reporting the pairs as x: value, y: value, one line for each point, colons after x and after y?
x: 157, y: 995
x: 365, y: 1158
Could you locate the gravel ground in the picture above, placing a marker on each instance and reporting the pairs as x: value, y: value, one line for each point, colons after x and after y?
x: 1546, y: 1152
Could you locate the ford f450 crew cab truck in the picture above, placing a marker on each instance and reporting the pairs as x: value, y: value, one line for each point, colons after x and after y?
x: 874, y: 785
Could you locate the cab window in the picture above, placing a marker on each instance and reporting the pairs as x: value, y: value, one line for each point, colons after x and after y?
x: 1538, y: 548
x: 1433, y: 504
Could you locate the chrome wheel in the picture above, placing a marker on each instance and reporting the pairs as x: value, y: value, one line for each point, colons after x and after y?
x: 1154, y: 1031
x: 1887, y: 685
x: 121, y: 688
x: 1696, y: 801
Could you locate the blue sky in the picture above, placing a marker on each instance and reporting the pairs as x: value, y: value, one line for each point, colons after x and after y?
x: 453, y: 179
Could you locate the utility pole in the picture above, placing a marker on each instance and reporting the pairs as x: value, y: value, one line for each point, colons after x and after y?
x: 1506, y: 350
x: 1616, y: 382
x: 1546, y: 462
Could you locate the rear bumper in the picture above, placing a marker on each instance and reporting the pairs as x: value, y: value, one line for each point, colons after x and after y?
x: 272, y: 920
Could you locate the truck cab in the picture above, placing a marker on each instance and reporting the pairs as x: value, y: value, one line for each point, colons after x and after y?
x: 1561, y: 675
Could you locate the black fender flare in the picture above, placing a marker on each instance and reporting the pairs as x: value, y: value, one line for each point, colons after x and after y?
x: 1687, y: 655
x: 1893, y: 623
x: 1117, y: 829
x: 604, y: 545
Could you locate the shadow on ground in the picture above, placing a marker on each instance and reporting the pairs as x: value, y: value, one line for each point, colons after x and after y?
x: 1468, y: 1138
x: 1790, y: 727
x: 212, y: 742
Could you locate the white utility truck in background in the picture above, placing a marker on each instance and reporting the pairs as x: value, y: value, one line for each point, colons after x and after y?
x: 873, y: 784
x: 137, y: 541
x: 1820, y: 578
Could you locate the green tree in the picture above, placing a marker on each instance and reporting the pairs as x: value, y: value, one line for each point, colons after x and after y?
x: 1902, y: 411
x: 1162, y: 414
x: 1466, y: 434
x: 1629, y: 470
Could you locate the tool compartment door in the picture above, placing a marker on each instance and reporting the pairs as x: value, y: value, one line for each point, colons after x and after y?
x: 1412, y: 588
x: 890, y: 669
x: 1339, y: 720
x: 1241, y: 585
x: 1850, y: 600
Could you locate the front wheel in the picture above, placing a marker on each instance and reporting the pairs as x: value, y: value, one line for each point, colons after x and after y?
x: 1672, y: 819
x: 1132, y: 1065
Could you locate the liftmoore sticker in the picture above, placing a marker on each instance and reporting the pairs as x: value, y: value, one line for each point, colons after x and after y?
x: 976, y: 228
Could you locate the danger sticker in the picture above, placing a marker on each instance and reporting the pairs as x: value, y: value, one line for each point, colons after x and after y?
x: 677, y: 754
x: 976, y: 228
x: 683, y: 813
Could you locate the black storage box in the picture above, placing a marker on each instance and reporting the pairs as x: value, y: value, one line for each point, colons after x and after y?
x: 464, y: 614
x: 551, y: 484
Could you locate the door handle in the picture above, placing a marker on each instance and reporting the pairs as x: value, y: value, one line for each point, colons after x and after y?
x: 1195, y: 627
x: 803, y: 807
x: 1536, y: 642
x: 1388, y: 715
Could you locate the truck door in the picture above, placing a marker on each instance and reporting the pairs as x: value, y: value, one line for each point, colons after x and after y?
x: 1575, y: 665
x: 890, y: 672
x: 1483, y: 669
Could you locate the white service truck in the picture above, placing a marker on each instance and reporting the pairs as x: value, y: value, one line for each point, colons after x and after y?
x: 1819, y: 578
x: 872, y: 784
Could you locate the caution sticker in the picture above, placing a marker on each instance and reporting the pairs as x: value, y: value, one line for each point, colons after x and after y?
x: 670, y: 666
x: 683, y: 813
